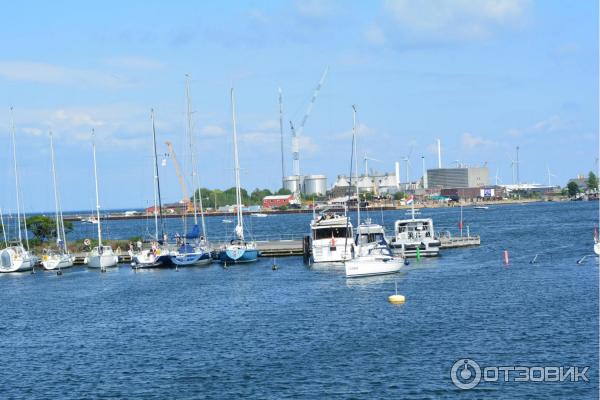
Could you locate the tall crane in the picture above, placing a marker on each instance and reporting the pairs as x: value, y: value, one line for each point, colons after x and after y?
x: 295, y: 135
x: 184, y: 188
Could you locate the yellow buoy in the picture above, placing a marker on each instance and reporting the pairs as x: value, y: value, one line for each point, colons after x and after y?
x: 396, y: 299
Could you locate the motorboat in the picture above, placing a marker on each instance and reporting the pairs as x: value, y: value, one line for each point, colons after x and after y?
x: 372, y: 255
x: 331, y: 238
x: 415, y: 235
x: 259, y: 215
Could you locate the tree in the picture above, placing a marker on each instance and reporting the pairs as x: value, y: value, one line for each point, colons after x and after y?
x: 44, y: 228
x: 284, y: 191
x: 592, y: 181
x: 573, y: 188
x: 398, y: 196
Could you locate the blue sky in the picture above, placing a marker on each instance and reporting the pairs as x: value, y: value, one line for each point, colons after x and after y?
x: 485, y: 76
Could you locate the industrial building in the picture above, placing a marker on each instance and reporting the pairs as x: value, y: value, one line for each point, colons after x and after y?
x: 307, y: 185
x: 475, y: 193
x: 448, y: 178
x: 277, y: 200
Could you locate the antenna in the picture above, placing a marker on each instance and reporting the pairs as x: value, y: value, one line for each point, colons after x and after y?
x: 281, y: 133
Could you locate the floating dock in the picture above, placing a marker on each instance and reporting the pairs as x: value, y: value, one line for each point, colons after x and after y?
x: 454, y: 242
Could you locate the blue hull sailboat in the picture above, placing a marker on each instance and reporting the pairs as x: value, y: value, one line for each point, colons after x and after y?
x: 238, y: 250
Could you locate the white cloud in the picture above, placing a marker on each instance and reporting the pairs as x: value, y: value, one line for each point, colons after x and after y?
x: 212, y: 131
x: 307, y: 145
x: 549, y: 124
x: 269, y: 124
x: 362, y: 131
x: 262, y: 138
x: 54, y: 74
x: 472, y: 142
x: 454, y: 19
x: 135, y: 63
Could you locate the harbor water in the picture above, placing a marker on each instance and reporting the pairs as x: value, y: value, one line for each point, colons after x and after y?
x: 297, y: 332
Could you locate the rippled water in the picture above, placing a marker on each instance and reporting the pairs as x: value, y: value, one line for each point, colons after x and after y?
x: 252, y: 332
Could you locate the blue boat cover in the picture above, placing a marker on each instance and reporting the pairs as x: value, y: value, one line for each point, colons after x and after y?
x: 194, y: 234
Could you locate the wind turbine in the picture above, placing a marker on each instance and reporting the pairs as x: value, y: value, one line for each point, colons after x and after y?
x: 497, y: 177
x: 407, y: 165
x: 549, y: 175
x: 366, y: 161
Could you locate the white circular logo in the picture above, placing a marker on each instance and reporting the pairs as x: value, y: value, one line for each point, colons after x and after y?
x: 465, y: 373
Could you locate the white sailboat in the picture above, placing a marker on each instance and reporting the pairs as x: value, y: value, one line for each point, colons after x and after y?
x: 59, y: 258
x: 101, y: 256
x: 194, y: 248
x: 371, y: 257
x: 16, y: 258
x: 238, y: 250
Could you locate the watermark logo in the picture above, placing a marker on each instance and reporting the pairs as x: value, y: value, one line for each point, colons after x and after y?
x: 467, y: 373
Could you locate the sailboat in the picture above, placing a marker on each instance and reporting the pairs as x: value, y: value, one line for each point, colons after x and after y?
x: 156, y: 256
x: 372, y: 256
x: 194, y: 248
x: 101, y: 256
x: 238, y: 250
x: 59, y: 258
x: 16, y: 258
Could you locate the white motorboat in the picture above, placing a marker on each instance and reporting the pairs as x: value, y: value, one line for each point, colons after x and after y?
x: 481, y: 207
x: 412, y: 235
x: 259, y: 215
x: 89, y: 220
x: 60, y: 257
x: 101, y: 256
x: 331, y: 238
x: 227, y: 221
x: 597, y: 248
x: 372, y: 255
x: 16, y: 258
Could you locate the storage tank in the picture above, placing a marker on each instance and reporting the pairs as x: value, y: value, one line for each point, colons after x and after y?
x: 315, y: 184
x: 291, y: 183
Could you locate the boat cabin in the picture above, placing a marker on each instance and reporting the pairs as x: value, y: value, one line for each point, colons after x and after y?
x: 415, y: 229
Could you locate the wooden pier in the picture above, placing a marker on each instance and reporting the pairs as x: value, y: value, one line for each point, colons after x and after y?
x: 454, y: 242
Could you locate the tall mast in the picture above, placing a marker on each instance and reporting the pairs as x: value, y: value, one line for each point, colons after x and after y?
x: 281, y: 134
x: 58, y: 230
x: 191, y: 144
x: 17, y: 191
x: 157, y: 182
x: 97, y: 197
x: 195, y: 179
x: 354, y: 145
x: 239, y: 229
x: 3, y: 228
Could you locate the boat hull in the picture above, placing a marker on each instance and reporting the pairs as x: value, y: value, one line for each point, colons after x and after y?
x: 12, y: 260
x: 370, y: 266
x: 410, y: 249
x: 597, y: 248
x: 238, y: 255
x: 57, y: 262
x: 189, y: 259
x: 102, y: 261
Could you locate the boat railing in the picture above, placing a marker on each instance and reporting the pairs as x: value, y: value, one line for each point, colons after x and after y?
x: 261, y: 238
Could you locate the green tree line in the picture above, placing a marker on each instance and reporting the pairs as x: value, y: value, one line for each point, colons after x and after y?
x: 216, y: 198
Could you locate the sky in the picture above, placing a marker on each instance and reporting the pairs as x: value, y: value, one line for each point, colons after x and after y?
x: 484, y: 76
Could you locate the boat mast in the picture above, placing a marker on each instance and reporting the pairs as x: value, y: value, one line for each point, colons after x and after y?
x: 354, y: 145
x: 3, y: 229
x: 58, y: 230
x: 281, y: 134
x: 157, y: 187
x: 239, y: 229
x: 195, y: 180
x: 14, y: 146
x: 97, y: 196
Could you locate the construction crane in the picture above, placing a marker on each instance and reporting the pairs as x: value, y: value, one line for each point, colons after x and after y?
x: 184, y: 188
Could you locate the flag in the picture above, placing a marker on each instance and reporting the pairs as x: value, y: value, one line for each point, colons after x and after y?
x: 410, y: 200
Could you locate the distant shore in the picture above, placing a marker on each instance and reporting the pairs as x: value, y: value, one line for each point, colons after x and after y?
x: 387, y: 206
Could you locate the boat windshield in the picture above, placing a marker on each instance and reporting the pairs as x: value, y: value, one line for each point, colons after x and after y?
x: 328, y: 233
x: 370, y: 238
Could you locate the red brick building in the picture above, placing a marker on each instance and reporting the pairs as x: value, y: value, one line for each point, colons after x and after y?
x: 277, y: 201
